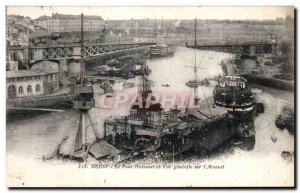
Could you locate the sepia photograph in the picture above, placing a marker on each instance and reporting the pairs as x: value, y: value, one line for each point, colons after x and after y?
x: 150, y: 96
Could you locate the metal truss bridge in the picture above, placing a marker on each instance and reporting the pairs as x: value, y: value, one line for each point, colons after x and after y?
x: 251, y: 48
x: 63, y: 52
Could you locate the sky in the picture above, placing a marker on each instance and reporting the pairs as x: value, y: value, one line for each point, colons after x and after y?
x: 179, y: 12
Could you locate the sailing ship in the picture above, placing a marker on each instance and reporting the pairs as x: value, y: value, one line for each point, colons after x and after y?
x: 195, y: 82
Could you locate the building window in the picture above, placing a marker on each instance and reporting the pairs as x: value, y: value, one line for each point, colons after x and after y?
x: 20, y: 89
x: 11, y: 92
x: 37, y: 88
x: 29, y: 89
x: 51, y: 89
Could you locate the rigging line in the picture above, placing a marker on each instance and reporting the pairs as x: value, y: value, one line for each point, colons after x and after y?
x: 97, y: 134
x: 189, y: 62
x: 206, y: 101
x: 202, y: 86
x: 195, y: 58
x: 201, y: 61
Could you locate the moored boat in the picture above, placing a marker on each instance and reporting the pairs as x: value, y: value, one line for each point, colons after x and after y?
x: 161, y: 50
x: 233, y: 93
x: 128, y: 85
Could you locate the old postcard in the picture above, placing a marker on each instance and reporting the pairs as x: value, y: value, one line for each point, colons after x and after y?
x: 149, y: 96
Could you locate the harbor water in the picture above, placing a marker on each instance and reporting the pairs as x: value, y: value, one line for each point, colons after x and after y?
x: 38, y: 134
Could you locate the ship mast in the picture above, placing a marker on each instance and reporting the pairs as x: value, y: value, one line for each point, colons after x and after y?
x: 82, y: 112
x: 84, y: 102
x: 162, y: 25
x: 196, y: 99
x: 195, y: 80
x: 155, y: 29
x: 82, y: 72
x: 196, y: 67
x: 145, y: 87
x: 195, y: 32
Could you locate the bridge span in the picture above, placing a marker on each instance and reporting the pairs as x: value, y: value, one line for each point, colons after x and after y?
x: 62, y: 52
x: 245, y: 47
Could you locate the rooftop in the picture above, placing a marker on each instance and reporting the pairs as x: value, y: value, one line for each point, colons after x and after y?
x: 68, y: 17
x: 26, y: 73
x: 43, y: 18
x: 45, y: 65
